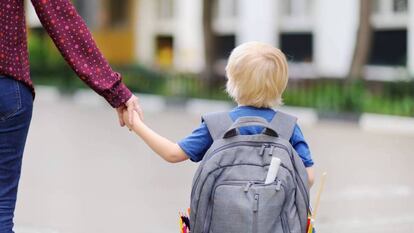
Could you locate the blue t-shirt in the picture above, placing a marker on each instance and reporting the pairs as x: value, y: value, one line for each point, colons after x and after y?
x: 197, y: 144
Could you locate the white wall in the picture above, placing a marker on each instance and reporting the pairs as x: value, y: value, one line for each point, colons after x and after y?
x: 257, y: 21
x: 145, y: 38
x: 185, y: 27
x: 188, y: 36
x: 410, y: 39
x: 31, y: 17
x: 336, y: 25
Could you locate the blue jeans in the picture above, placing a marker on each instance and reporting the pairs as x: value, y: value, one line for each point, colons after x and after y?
x: 16, y: 104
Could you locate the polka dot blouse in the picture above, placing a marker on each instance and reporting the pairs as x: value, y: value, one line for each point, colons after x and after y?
x: 71, y: 36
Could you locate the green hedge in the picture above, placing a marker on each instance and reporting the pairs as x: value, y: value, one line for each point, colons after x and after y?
x: 47, y: 65
x: 394, y: 98
x: 325, y: 95
x: 144, y: 80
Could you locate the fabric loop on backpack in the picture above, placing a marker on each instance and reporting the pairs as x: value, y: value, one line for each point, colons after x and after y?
x: 250, y: 121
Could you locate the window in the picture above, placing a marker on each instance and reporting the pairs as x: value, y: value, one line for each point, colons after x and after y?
x: 118, y: 12
x: 400, y: 6
x: 164, y: 51
x: 383, y: 7
x: 390, y: 14
x: 384, y: 54
x: 298, y: 47
x: 225, y: 44
x: 165, y: 9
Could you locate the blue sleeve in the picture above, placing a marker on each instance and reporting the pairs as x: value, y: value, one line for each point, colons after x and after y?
x: 196, y: 144
x: 298, y: 142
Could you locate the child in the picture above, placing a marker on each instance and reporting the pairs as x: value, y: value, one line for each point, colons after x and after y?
x: 257, y: 77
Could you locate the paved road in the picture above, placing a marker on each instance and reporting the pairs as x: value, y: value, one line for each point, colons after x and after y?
x: 84, y: 174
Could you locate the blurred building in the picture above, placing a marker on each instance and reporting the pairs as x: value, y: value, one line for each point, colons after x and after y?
x: 318, y: 36
x: 113, y: 23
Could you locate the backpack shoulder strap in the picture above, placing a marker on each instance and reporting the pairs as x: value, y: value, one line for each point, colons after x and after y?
x: 217, y: 123
x: 284, y: 124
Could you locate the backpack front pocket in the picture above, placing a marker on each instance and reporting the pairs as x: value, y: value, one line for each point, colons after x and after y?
x: 245, y: 207
x: 231, y: 210
x: 271, y: 199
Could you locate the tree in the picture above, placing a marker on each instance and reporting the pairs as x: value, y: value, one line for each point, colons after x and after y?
x: 363, y: 41
x: 209, y: 43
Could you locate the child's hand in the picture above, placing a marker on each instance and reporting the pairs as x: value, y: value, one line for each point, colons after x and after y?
x: 135, y: 119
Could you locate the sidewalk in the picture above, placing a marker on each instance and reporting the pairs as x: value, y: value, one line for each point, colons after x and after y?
x: 82, y: 173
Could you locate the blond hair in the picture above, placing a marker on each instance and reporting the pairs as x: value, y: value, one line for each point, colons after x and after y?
x: 257, y: 75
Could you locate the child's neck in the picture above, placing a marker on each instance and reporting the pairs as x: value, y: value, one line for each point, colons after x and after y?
x: 251, y: 106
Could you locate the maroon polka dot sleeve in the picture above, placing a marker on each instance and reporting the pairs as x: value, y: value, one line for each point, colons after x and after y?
x: 71, y: 36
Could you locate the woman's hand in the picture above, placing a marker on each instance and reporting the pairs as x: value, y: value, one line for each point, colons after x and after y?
x: 131, y: 106
x: 131, y: 121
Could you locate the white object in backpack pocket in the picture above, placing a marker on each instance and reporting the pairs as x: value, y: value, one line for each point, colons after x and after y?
x: 273, y: 169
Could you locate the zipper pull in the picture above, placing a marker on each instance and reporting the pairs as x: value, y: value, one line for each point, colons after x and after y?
x: 256, y: 203
x: 278, y: 185
x: 272, y: 148
x: 247, y: 187
x: 262, y: 150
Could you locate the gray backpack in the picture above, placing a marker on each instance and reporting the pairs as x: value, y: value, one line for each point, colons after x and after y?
x: 229, y: 194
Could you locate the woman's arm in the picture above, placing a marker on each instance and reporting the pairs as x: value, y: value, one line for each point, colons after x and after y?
x: 165, y: 148
x: 74, y: 41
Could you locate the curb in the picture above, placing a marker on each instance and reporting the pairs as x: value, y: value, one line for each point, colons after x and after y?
x: 157, y: 104
x: 383, y: 123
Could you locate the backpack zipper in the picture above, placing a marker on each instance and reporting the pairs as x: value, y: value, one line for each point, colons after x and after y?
x: 255, y: 213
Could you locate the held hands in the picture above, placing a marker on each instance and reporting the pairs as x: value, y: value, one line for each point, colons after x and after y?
x: 136, y: 120
x: 131, y: 116
x: 130, y: 113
